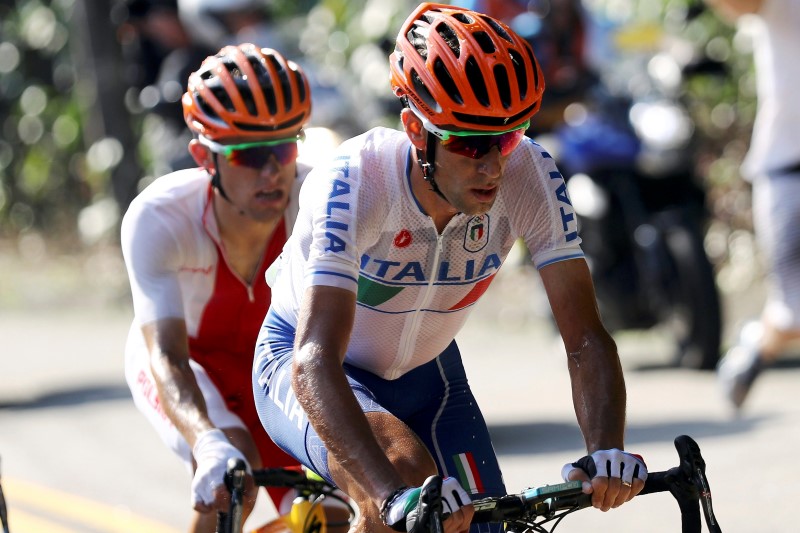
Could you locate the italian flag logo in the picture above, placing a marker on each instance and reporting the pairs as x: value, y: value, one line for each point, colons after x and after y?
x: 468, y: 473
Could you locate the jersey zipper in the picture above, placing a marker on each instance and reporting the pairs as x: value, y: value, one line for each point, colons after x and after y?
x: 208, y: 210
x: 409, y: 338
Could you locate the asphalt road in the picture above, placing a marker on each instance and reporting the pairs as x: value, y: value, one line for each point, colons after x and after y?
x: 77, y: 457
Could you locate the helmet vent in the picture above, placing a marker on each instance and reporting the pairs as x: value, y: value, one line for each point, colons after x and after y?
x: 301, y: 88
x: 446, y: 80
x: 222, y: 97
x: 498, y: 28
x: 475, y: 77
x: 519, y: 70
x: 503, y: 87
x: 463, y: 18
x: 240, y: 80
x: 283, y: 77
x: 450, y: 38
x: 418, y: 41
x: 485, y: 42
x: 536, y: 81
x: 205, y: 107
x: 262, y: 127
x: 423, y: 92
x: 495, y: 122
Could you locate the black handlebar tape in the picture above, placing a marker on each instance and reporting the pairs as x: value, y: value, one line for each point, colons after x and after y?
x: 279, y: 477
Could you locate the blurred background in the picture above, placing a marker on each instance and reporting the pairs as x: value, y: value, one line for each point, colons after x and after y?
x: 90, y: 107
x: 649, y: 103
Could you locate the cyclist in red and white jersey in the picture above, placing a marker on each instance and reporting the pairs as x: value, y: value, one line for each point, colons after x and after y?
x: 197, y: 243
x: 357, y: 373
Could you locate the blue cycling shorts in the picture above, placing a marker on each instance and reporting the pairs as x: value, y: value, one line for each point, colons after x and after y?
x: 434, y: 400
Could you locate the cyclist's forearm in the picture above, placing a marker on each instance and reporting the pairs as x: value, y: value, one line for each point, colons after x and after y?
x: 598, y: 394
x: 322, y: 389
x: 178, y: 392
x: 180, y: 396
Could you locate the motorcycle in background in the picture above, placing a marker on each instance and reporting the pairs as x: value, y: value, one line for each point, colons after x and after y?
x: 627, y: 157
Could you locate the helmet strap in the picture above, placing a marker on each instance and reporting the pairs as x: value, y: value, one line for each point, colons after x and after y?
x: 427, y: 162
x: 216, y: 182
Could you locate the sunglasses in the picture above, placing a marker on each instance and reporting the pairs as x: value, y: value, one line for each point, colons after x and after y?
x: 256, y: 155
x: 473, y: 144
x: 477, y: 145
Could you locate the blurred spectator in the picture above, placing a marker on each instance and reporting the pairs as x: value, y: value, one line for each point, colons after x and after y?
x: 161, y: 54
x: 148, y: 31
x: 773, y: 166
x: 220, y: 22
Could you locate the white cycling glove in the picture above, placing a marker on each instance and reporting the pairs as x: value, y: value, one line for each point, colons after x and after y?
x: 211, y: 452
x: 398, y: 507
x: 609, y: 463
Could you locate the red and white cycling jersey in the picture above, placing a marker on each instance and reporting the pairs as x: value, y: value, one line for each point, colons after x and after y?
x: 361, y: 228
x: 177, y: 269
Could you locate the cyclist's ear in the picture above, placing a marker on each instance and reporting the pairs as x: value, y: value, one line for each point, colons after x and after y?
x: 413, y: 126
x: 201, y: 154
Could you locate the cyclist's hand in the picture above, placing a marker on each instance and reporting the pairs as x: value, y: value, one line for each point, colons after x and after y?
x: 613, y: 477
x: 401, y: 511
x: 211, y: 452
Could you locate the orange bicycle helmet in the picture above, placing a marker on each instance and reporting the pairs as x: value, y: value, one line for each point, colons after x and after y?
x: 247, y: 92
x: 464, y: 70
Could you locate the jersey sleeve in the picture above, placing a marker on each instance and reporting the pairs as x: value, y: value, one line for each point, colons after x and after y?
x: 545, y: 218
x: 151, y: 254
x: 332, y: 202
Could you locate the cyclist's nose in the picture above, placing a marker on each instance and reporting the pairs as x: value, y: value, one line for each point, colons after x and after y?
x: 491, y: 164
x: 271, y: 169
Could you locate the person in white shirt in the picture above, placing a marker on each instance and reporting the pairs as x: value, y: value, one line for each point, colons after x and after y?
x: 196, y: 244
x: 772, y: 165
x: 357, y: 373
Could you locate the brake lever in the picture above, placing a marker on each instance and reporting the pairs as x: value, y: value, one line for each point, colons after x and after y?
x: 234, y: 481
x: 693, y: 467
x: 429, y: 519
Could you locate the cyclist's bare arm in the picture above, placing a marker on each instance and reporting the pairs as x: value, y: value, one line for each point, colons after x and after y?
x: 370, y: 456
x: 323, y: 332
x: 598, y: 386
x: 183, y: 401
x: 178, y: 392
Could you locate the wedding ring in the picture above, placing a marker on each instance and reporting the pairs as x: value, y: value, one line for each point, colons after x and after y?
x: 626, y: 484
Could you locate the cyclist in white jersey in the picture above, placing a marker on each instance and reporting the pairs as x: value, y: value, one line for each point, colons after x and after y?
x: 357, y: 374
x: 196, y: 244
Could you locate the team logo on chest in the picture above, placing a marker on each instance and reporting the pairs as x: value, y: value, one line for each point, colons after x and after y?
x: 402, y: 239
x: 477, y: 233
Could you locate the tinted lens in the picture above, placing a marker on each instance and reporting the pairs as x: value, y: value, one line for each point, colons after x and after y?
x: 258, y: 156
x: 477, y: 146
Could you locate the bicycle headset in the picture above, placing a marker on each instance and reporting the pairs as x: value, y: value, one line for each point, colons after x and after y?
x: 461, y: 70
x: 246, y: 93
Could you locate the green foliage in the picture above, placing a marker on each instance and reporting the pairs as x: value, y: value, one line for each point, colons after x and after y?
x: 41, y: 128
x: 48, y: 173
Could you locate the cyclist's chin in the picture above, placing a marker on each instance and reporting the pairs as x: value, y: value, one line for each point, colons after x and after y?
x: 266, y: 212
x: 476, y: 207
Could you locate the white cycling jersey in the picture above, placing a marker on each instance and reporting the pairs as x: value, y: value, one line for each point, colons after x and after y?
x: 172, y: 247
x: 361, y: 228
x: 177, y: 269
